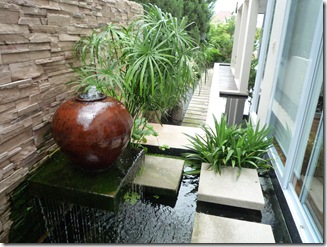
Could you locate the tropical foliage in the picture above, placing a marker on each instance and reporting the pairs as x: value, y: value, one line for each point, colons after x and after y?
x: 149, y: 65
x: 220, y: 41
x: 197, y: 12
x: 231, y: 146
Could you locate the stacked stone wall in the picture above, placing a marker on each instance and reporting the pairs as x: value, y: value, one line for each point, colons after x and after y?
x: 36, y: 40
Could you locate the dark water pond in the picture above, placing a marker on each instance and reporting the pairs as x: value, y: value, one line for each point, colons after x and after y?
x: 150, y: 218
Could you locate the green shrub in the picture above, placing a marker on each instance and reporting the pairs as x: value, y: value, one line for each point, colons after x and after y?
x: 231, y: 146
x: 221, y: 37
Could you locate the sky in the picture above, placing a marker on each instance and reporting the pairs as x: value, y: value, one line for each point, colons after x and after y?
x: 225, y: 5
x: 229, y: 5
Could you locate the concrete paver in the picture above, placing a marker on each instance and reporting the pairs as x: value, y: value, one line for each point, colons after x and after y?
x: 228, y: 189
x: 215, y: 229
x: 161, y: 175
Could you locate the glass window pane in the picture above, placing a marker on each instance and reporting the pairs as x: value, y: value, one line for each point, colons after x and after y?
x: 293, y: 68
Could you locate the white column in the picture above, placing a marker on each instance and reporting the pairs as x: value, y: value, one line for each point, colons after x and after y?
x: 240, y: 43
x: 236, y: 39
x: 249, y: 37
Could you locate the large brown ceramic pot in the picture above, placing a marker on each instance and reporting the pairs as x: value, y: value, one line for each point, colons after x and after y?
x: 92, y: 132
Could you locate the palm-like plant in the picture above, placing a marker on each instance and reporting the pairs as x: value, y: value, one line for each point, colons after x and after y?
x: 150, y: 65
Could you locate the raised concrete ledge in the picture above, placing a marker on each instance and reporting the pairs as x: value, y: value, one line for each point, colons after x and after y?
x: 215, y: 229
x: 228, y: 189
x: 160, y: 175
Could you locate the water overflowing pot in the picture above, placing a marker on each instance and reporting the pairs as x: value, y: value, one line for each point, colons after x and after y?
x: 92, y: 130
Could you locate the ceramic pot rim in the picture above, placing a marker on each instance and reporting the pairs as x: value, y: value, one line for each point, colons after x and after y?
x: 100, y: 97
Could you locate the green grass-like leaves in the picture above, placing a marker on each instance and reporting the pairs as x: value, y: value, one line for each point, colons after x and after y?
x: 234, y: 146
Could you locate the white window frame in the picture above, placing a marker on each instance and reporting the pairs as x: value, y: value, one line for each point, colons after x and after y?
x: 302, y: 128
x: 307, y: 231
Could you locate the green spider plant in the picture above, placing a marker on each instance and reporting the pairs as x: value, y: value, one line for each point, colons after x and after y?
x: 231, y: 146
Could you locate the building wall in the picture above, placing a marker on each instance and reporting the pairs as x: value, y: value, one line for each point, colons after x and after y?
x: 36, y: 40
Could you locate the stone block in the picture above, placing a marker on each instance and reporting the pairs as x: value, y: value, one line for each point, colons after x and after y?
x: 49, y: 60
x: 28, y: 110
x: 8, y: 117
x: 28, y: 152
x: 12, y: 131
x: 36, y: 55
x: 219, y: 230
x: 53, y: 69
x: 58, y: 19
x: 3, y: 156
x: 67, y: 37
x: 10, y: 58
x: 36, y: 118
x: 5, y: 74
x: 39, y: 46
x: 16, y: 140
x: 160, y: 175
x: 9, y: 95
x: 41, y: 134
x: 79, y: 31
x: 16, y: 84
x: 49, y: 7
x: 44, y: 29
x: 13, y: 39
x: 172, y: 136
x: 8, y: 170
x: 62, y: 78
x: 228, y: 189
x: 7, y: 107
x: 10, y: 183
x: 70, y: 8
x: 35, y: 98
x: 9, y: 17
x: 13, y: 29
x: 9, y: 6
x: 14, y: 48
x: 65, y: 45
x: 53, y: 92
x: 27, y: 91
x: 32, y: 10
x: 25, y: 70
x: 29, y: 21
x: 39, y: 37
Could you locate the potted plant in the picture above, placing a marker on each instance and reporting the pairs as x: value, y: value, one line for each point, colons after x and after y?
x: 149, y: 65
x: 92, y: 129
x: 236, y: 146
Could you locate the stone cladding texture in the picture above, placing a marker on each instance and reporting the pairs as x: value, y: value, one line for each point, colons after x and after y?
x: 36, y: 40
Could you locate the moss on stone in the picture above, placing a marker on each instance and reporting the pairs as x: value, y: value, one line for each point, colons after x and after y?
x: 60, y: 180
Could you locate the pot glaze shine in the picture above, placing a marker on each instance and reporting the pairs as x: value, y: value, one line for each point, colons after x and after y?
x: 92, y: 133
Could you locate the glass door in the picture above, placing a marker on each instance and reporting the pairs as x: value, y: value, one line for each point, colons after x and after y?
x: 292, y: 78
x: 296, y: 118
x: 312, y: 192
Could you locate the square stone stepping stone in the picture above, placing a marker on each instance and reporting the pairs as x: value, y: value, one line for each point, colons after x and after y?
x: 172, y: 135
x: 215, y: 229
x: 228, y: 189
x: 160, y: 175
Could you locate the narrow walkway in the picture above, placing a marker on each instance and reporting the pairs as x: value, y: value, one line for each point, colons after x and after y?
x: 196, y: 113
